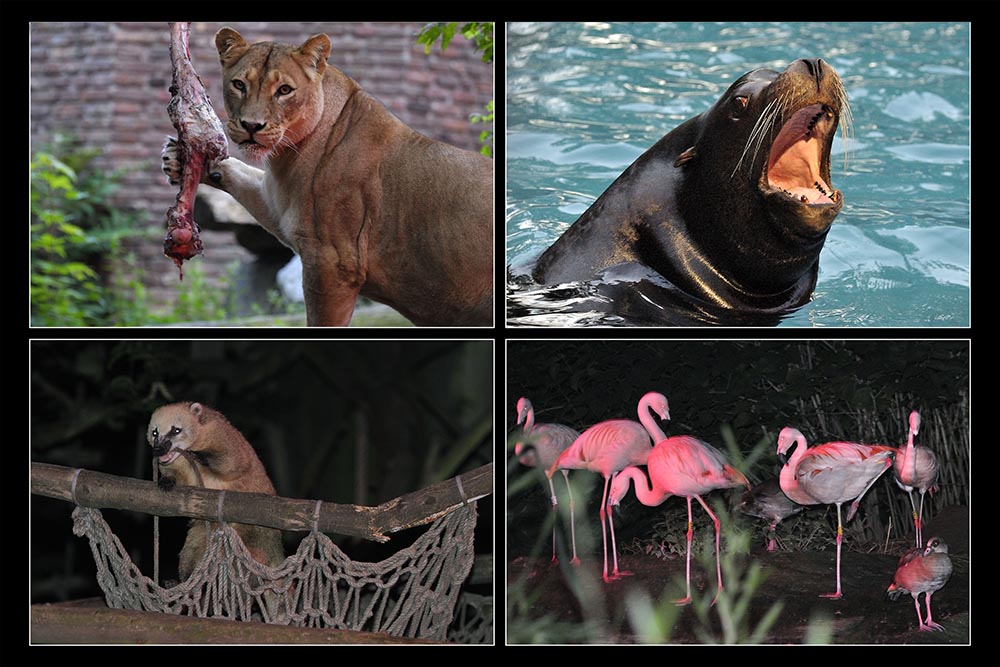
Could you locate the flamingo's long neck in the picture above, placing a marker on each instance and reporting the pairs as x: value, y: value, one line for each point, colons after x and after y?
x: 789, y: 484
x: 529, y: 421
x: 647, y: 419
x: 911, y: 452
x: 644, y: 491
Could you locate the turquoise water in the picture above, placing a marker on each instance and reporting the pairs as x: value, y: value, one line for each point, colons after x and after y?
x: 584, y: 100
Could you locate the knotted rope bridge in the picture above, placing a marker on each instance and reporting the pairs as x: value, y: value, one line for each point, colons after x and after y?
x: 411, y: 594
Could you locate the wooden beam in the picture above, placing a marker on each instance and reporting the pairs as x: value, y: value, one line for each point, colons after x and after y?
x: 61, y: 624
x: 100, y: 490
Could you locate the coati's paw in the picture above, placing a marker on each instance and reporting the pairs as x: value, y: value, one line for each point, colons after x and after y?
x: 171, y: 161
x: 167, y: 483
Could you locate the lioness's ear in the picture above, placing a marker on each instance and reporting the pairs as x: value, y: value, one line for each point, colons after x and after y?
x: 314, y: 52
x: 231, y: 46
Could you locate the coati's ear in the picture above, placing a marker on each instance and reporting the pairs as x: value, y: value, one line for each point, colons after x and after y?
x: 197, y: 409
x: 231, y: 46
x: 314, y: 52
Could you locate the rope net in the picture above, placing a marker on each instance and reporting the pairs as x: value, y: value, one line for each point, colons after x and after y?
x: 410, y: 594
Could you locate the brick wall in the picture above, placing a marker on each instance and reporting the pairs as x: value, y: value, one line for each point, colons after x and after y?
x: 108, y: 84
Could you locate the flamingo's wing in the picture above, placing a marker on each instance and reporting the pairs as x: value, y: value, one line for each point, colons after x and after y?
x: 615, y: 444
x: 836, y: 472
x: 550, y: 440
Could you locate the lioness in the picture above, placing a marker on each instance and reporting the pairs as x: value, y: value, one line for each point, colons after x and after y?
x: 371, y: 206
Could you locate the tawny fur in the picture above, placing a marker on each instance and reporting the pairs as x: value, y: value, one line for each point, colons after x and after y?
x: 225, y: 460
x: 370, y: 206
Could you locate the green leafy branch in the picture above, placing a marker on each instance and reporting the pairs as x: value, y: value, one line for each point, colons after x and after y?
x: 481, y: 35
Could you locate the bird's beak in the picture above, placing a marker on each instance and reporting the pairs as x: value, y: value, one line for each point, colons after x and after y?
x: 783, y: 458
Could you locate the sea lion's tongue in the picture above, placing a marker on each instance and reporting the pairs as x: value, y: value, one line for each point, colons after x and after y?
x: 794, y: 163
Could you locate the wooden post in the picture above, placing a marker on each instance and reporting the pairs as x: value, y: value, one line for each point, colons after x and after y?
x: 100, y: 490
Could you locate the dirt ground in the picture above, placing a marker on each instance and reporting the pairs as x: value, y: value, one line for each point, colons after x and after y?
x: 864, y: 615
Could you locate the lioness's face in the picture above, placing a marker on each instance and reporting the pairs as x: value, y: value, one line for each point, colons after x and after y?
x: 273, y: 92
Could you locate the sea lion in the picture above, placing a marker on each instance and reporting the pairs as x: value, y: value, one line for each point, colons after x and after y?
x: 724, y: 218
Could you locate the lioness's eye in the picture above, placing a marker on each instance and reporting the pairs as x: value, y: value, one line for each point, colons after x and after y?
x: 239, y: 85
x: 285, y: 89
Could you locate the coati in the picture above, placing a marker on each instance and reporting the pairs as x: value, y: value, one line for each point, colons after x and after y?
x: 225, y: 460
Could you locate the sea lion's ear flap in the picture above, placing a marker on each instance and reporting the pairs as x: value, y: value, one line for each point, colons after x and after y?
x: 314, y: 52
x: 231, y: 46
x: 686, y: 157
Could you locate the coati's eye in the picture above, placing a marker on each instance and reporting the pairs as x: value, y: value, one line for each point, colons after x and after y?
x: 239, y: 85
x: 155, y: 433
x: 173, y: 431
x: 285, y: 89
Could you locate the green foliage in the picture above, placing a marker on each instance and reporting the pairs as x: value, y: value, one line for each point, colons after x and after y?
x: 742, y: 580
x: 73, y: 229
x: 523, y: 628
x: 481, y: 34
x: 197, y: 299
x: 651, y: 623
x: 486, y: 136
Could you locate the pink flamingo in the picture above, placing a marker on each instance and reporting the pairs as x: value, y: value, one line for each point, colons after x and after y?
x: 609, y: 446
x: 922, y: 571
x: 545, y: 442
x: 768, y: 501
x: 681, y: 466
x: 915, y: 468
x: 832, y: 473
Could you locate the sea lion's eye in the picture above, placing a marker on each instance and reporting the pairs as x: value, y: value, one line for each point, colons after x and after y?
x: 239, y: 85
x: 285, y: 90
x: 739, y: 105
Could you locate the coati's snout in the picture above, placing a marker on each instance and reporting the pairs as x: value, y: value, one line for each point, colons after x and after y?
x: 161, y: 447
x: 169, y: 432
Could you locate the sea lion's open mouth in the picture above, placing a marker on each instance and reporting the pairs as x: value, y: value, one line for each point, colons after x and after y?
x: 799, y: 157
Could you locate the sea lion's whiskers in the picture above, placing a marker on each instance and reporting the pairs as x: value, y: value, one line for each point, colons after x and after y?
x: 763, y: 125
x: 847, y: 122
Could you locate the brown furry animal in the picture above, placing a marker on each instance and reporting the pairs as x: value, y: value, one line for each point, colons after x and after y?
x: 371, y: 206
x: 224, y: 459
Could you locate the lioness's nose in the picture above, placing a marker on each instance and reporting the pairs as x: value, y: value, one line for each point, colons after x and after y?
x: 252, y: 127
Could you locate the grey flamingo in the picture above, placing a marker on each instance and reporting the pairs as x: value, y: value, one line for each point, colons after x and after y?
x: 767, y: 501
x: 831, y: 473
x: 916, y: 469
x: 542, y: 445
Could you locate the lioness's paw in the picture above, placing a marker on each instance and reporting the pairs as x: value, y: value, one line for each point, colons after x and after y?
x: 171, y: 161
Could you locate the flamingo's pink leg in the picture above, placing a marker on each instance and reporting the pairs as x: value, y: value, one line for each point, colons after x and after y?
x: 687, y: 599
x: 840, y: 538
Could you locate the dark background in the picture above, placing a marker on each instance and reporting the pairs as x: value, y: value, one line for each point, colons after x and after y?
x: 427, y: 407
x: 743, y: 392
